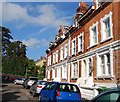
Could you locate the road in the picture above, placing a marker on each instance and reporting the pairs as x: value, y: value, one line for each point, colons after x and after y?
x: 16, y: 93
x: 12, y: 92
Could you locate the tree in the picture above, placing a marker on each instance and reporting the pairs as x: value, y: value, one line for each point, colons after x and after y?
x: 6, y: 37
x: 42, y: 70
x: 15, y: 61
x: 31, y: 70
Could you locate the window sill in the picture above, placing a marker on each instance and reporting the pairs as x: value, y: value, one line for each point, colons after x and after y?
x: 104, y: 77
x: 80, y: 51
x: 73, y: 78
x: 91, y: 46
x: 102, y: 41
x: 64, y: 78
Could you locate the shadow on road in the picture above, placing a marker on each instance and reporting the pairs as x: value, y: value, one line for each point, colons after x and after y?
x: 4, y: 90
x: 10, y: 96
x: 4, y: 85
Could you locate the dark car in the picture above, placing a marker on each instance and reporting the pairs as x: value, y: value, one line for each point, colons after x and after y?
x: 36, y: 87
x: 112, y: 95
x: 29, y: 81
x: 60, y: 92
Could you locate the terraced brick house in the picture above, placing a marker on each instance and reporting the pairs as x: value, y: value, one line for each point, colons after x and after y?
x: 88, y: 52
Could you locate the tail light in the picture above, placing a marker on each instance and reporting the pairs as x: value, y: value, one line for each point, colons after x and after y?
x: 58, y: 93
x: 39, y: 86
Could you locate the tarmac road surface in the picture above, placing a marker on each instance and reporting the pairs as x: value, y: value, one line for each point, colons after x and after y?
x: 16, y: 93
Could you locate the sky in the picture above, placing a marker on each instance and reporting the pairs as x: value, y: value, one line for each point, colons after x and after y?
x: 36, y: 23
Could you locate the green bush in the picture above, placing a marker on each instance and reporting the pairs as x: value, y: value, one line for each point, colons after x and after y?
x: 102, y: 89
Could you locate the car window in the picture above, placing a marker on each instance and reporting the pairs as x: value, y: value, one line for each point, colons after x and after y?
x: 49, y: 86
x: 34, y: 83
x: 109, y: 97
x: 33, y: 78
x: 69, y: 88
x: 42, y: 82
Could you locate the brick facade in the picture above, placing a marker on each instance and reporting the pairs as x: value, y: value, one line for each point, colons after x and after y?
x: 93, y: 48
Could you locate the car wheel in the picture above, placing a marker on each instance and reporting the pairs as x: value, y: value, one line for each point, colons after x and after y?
x: 26, y: 86
x: 39, y: 98
x: 15, y: 82
x: 34, y: 93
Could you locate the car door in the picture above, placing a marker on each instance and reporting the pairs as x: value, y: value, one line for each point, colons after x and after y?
x: 48, y: 92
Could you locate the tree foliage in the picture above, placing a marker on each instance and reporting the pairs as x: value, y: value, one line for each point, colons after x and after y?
x: 6, y: 38
x: 14, y: 59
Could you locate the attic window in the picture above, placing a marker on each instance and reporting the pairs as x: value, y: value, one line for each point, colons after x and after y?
x: 99, y: 3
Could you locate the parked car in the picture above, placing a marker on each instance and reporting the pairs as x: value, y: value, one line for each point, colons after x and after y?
x: 19, y: 81
x: 60, y: 92
x: 36, y: 87
x: 12, y: 79
x: 112, y: 95
x: 29, y: 81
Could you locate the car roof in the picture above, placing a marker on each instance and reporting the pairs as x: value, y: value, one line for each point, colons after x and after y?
x: 62, y: 82
x: 33, y: 77
x: 116, y: 89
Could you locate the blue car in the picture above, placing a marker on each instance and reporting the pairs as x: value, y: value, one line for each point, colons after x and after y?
x: 60, y: 92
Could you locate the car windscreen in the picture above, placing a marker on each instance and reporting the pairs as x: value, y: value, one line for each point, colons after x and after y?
x: 33, y: 78
x: 68, y: 88
x: 42, y: 82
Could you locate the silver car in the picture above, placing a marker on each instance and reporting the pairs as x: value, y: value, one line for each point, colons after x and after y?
x: 36, y: 87
x: 19, y: 81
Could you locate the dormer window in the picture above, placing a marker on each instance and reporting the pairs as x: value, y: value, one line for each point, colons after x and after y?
x: 99, y: 3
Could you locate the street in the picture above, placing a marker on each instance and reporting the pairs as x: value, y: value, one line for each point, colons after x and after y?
x: 15, y: 93
x: 12, y: 92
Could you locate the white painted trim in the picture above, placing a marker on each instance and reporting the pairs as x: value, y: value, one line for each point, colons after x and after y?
x: 91, y: 34
x: 103, y: 39
x: 73, y: 46
x: 110, y: 51
x: 81, y: 35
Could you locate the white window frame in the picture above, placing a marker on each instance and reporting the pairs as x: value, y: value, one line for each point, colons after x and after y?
x: 74, y: 71
x: 81, y: 43
x: 56, y: 59
x: 65, y: 51
x: 92, y: 37
x: 48, y: 74
x: 54, y: 54
x: 99, y: 70
x: 53, y: 73
x: 73, y: 46
x: 61, y: 53
x: 49, y: 60
x: 64, y: 72
x: 87, y: 66
x: 103, y: 33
